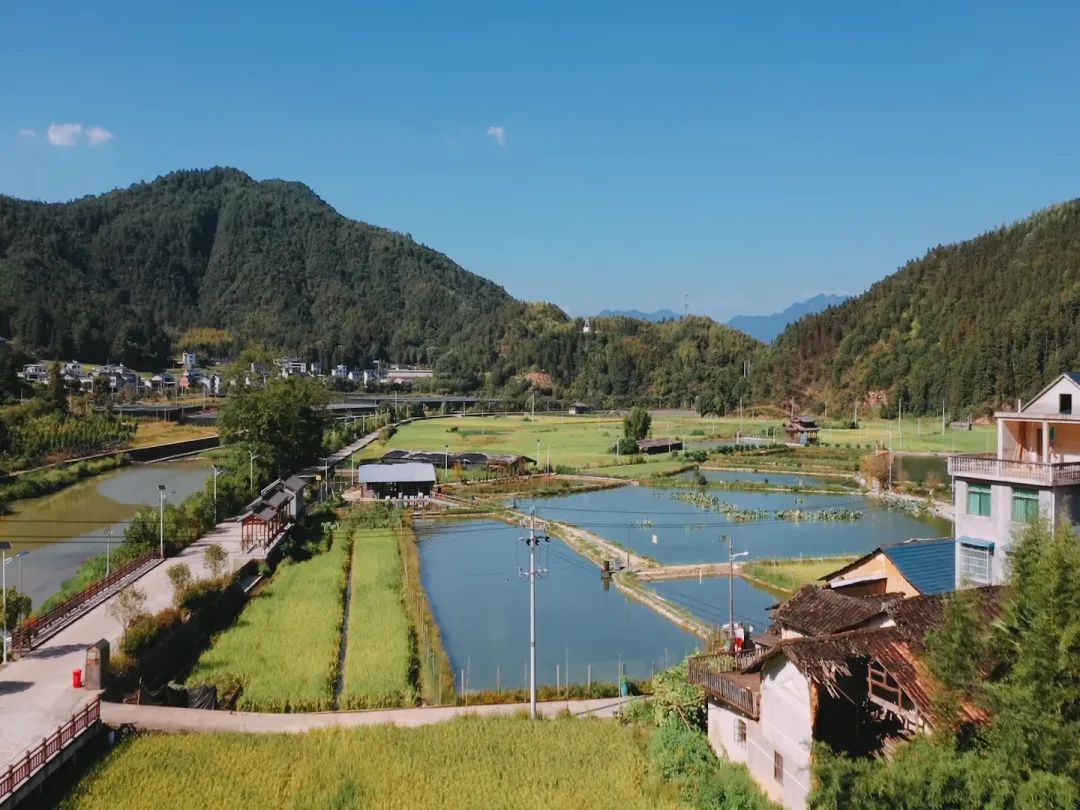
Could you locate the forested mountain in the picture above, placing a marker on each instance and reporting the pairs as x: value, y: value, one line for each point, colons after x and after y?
x: 976, y: 324
x: 121, y: 275
x: 693, y: 361
x: 766, y: 327
x: 654, y: 317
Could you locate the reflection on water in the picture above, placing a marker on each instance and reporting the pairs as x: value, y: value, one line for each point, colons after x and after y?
x: 65, y: 528
x: 707, y: 599
x: 780, y: 479
x: 470, y: 573
x: 650, y: 522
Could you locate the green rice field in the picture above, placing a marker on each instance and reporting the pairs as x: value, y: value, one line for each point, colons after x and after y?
x: 283, y: 649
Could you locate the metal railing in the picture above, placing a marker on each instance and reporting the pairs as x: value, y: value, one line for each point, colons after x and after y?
x: 34, y: 631
x: 37, y: 757
x: 1029, y: 471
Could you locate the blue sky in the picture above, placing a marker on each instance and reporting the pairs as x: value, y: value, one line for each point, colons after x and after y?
x: 619, y: 153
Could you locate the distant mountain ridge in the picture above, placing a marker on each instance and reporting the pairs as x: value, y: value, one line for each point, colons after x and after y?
x: 656, y: 316
x: 766, y: 327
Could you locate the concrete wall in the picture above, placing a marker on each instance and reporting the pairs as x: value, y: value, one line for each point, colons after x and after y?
x: 1047, y: 403
x: 786, y: 726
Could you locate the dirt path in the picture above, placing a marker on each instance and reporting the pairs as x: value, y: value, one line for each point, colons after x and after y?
x: 168, y: 719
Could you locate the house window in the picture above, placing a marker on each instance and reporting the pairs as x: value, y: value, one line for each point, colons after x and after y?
x: 1065, y: 403
x: 975, y: 565
x: 778, y: 767
x: 1025, y: 505
x: 740, y: 731
x: 978, y: 500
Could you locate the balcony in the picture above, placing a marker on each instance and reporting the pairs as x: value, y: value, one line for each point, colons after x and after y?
x: 739, y: 690
x: 1029, y: 472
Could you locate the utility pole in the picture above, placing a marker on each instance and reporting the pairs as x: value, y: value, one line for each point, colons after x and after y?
x: 217, y: 471
x: 251, y: 469
x: 731, y: 587
x: 532, y: 541
x: 161, y: 520
x: 943, y: 417
x: 108, y: 550
x: 5, y: 546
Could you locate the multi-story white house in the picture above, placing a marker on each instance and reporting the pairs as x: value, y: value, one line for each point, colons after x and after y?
x: 1035, y: 473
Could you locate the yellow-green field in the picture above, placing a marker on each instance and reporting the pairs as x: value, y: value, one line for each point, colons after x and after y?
x: 583, y: 442
x: 790, y: 575
x: 283, y: 648
x: 471, y: 762
x: 149, y: 433
x: 378, y: 651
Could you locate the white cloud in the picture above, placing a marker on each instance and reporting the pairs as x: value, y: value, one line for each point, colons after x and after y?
x: 26, y: 132
x: 96, y: 136
x: 497, y: 134
x: 64, y: 134
x: 73, y: 134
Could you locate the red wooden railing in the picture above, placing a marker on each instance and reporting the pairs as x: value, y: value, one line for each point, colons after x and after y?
x: 26, y: 635
x: 33, y: 760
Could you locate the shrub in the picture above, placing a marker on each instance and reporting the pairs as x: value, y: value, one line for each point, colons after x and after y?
x: 216, y: 560
x: 145, y: 629
x: 180, y: 577
x: 127, y: 605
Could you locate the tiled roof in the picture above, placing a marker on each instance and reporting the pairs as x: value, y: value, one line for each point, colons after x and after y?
x: 929, y: 565
x: 815, y: 611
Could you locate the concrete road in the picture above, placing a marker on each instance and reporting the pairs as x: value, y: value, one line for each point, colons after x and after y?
x: 167, y: 719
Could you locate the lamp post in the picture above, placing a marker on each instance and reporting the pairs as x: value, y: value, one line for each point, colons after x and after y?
x: 217, y: 471
x: 162, y: 495
x: 108, y: 550
x: 251, y: 469
x: 19, y: 557
x: 446, y: 462
x: 5, y: 547
x: 731, y: 587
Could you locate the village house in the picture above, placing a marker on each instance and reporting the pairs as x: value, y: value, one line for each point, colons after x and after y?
x: 911, y: 568
x: 848, y: 671
x: 578, y: 409
x: 507, y: 463
x: 803, y: 430
x: 34, y: 372
x: 650, y: 447
x: 1034, y: 474
x: 405, y: 481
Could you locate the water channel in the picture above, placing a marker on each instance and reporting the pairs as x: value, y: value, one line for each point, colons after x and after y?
x: 65, y: 528
x: 777, y: 478
x: 471, y: 576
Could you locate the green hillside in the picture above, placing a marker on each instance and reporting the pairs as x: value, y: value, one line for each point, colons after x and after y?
x: 123, y: 274
x: 976, y: 324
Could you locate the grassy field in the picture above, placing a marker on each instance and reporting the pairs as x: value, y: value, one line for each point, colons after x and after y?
x: 162, y: 432
x: 284, y: 647
x: 470, y: 762
x: 380, y: 648
x: 583, y: 442
x: 790, y: 575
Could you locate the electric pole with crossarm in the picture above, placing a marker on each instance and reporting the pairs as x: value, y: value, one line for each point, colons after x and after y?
x: 532, y: 541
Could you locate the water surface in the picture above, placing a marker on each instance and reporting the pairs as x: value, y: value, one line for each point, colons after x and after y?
x: 65, y: 528
x: 780, y: 479
x: 470, y: 571
x: 651, y: 522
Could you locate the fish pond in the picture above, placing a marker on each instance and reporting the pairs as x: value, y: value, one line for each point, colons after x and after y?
x: 61, y: 530
x: 654, y: 522
x: 775, y: 478
x: 470, y: 571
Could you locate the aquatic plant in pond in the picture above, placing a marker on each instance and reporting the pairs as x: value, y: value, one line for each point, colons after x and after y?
x: 711, y: 503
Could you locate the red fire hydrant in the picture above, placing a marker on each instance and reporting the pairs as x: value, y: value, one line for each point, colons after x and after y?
x: 76, y: 679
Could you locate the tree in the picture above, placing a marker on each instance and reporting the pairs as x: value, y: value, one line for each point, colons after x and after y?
x: 18, y: 608
x: 216, y: 560
x: 875, y: 467
x: 285, y: 420
x: 636, y: 425
x: 56, y: 391
x: 126, y: 605
x: 180, y: 577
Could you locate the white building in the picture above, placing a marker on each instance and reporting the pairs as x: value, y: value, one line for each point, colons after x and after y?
x: 188, y: 360
x: 1035, y: 473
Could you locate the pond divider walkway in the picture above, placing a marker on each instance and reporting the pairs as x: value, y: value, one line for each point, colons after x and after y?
x: 688, y: 571
x: 171, y: 719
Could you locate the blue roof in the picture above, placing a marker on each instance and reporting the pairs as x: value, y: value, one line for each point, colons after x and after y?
x: 976, y: 542
x: 1074, y: 376
x: 929, y: 565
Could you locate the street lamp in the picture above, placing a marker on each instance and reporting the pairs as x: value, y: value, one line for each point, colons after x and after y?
x: 217, y: 471
x: 731, y: 588
x: 446, y: 462
x: 19, y: 557
x: 251, y: 469
x: 162, y: 495
x: 108, y: 550
x: 5, y: 547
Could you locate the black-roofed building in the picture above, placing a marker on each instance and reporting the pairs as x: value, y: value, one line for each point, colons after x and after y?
x: 402, y: 481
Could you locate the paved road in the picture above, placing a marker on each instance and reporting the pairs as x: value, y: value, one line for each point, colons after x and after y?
x: 35, y: 692
x: 164, y: 718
